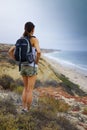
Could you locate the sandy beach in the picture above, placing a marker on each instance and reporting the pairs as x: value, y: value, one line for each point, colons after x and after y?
x: 73, y: 74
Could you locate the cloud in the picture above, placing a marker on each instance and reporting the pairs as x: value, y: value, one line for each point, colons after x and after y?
x: 63, y: 22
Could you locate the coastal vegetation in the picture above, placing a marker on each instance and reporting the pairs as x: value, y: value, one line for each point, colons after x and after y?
x: 42, y: 117
x: 49, y: 112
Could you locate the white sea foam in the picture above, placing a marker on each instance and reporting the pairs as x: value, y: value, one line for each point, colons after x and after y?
x: 78, y: 67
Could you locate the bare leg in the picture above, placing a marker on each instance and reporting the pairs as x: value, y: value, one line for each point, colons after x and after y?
x: 24, y: 99
x: 31, y: 83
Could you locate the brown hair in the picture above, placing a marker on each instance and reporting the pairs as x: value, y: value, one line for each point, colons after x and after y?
x: 29, y: 26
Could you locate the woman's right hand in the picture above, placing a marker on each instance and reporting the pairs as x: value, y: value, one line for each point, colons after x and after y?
x: 11, y: 52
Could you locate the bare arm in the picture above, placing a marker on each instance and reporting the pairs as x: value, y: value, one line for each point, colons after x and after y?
x: 36, y: 45
x: 11, y: 52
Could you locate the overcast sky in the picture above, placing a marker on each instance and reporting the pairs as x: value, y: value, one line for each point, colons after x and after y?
x: 60, y: 24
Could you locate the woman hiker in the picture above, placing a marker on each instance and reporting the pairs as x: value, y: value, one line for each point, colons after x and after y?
x: 28, y: 71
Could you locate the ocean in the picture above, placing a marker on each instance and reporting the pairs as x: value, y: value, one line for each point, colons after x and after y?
x: 73, y: 59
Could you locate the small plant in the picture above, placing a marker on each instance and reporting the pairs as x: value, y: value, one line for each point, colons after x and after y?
x: 53, y: 105
x: 85, y: 111
x: 38, y: 83
x: 42, y: 117
x: 19, y: 82
x: 19, y: 89
x: 26, y: 122
x: 7, y: 106
x: 52, y: 83
x: 7, y: 122
x: 71, y: 87
x: 12, y: 86
x: 7, y: 82
x: 67, y: 81
x: 12, y: 62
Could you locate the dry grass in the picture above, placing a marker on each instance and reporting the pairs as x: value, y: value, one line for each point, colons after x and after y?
x: 7, y: 69
x: 46, y: 72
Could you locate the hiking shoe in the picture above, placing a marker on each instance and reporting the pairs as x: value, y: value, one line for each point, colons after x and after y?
x: 24, y: 111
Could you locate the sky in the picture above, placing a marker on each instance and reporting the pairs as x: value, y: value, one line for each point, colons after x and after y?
x: 59, y: 24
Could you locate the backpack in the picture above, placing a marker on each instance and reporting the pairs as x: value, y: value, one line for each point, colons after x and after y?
x: 23, y: 51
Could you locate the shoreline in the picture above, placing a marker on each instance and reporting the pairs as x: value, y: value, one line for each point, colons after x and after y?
x: 71, y: 73
x: 68, y: 64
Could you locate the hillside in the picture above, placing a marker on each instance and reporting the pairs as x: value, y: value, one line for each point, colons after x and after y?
x: 8, y: 66
x: 58, y: 103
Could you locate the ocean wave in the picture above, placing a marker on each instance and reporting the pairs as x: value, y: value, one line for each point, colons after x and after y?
x: 81, y: 67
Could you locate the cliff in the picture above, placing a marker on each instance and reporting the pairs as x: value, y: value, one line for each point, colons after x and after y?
x: 57, y: 102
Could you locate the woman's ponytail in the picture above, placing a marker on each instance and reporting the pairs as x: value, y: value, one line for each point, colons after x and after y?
x: 29, y: 26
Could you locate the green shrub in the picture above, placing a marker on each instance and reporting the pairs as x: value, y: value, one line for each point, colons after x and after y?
x: 12, y: 86
x: 66, y: 124
x: 54, y: 105
x: 48, y: 83
x: 42, y: 117
x: 52, y: 83
x: 71, y: 87
x: 19, y: 89
x: 38, y: 83
x: 26, y: 122
x: 85, y: 111
x: 7, y: 82
x: 12, y: 62
x: 7, y: 106
x: 19, y: 82
x: 7, y: 122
